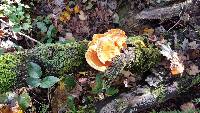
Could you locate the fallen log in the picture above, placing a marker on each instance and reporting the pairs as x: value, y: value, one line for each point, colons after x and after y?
x: 57, y: 59
x: 145, y: 96
x: 160, y: 86
x: 54, y: 59
x: 62, y: 58
x: 189, y: 6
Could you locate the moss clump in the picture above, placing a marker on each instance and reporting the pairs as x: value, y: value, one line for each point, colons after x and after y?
x: 59, y: 58
x: 159, y: 93
x: 53, y: 58
x: 8, y: 73
x: 145, y: 58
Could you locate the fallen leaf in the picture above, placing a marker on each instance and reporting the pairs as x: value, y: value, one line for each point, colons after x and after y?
x: 65, y: 16
x: 76, y: 9
x: 184, y: 44
x: 148, y: 31
x: 187, y: 106
x: 153, y: 38
x: 193, y: 45
x: 83, y: 80
x: 160, y: 29
x: 83, y: 1
x: 69, y: 36
x: 58, y: 2
x: 193, y: 70
x: 1, y: 33
x: 89, y: 6
x: 112, y: 4
x: 82, y: 15
x: 115, y: 18
x: 182, y: 57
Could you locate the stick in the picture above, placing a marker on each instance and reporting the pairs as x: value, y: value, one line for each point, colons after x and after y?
x: 20, y: 33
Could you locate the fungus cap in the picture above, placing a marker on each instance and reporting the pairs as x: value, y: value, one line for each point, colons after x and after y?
x: 104, y: 47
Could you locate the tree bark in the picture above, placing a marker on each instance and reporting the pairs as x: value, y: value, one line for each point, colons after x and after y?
x: 146, y: 96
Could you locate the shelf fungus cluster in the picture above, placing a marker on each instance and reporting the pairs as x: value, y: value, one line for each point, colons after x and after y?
x: 104, y: 47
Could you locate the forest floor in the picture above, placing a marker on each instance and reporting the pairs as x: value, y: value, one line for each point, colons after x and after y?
x: 26, y: 24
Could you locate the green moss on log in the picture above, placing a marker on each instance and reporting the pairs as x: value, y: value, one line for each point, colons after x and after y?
x: 59, y: 58
x: 53, y: 58
x: 145, y: 58
x: 8, y: 73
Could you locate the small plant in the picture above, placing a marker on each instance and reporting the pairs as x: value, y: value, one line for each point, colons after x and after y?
x: 46, y: 28
x: 100, y: 86
x: 35, y: 80
x: 24, y: 100
x: 196, y: 100
x: 44, y: 108
x: 18, y: 18
x: 71, y: 104
x: 69, y: 82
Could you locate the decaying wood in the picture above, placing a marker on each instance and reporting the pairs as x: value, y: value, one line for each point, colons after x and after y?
x: 49, y: 58
x: 169, y: 11
x: 146, y: 96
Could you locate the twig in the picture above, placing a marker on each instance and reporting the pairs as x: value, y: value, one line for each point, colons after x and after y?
x: 20, y: 33
x: 29, y: 37
x: 174, y: 25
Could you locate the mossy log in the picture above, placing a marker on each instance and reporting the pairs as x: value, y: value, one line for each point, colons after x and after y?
x: 59, y: 59
x: 156, y: 88
x: 145, y: 97
x: 55, y: 59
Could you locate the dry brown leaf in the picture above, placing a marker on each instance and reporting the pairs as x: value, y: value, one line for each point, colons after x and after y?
x: 193, y: 70
x: 59, y: 98
x: 69, y: 36
x: 1, y: 33
x: 187, y: 106
x: 193, y: 45
x: 76, y: 9
x: 82, y: 16
x: 148, y: 31
x: 8, y: 109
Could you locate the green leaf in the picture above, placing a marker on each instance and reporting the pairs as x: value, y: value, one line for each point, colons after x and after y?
x: 49, y: 40
x: 24, y: 101
x: 49, y: 32
x: 3, y: 98
x: 33, y: 82
x: 26, y: 26
x: 34, y: 70
x: 19, y: 9
x: 47, y: 20
x: 111, y: 91
x: 42, y: 26
x: 16, y: 28
x: 71, y: 104
x: 48, y: 81
x: 70, y: 82
x: 98, y: 84
x: 1, y: 51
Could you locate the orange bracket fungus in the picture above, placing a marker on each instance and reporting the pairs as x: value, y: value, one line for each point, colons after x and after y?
x: 104, y: 47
